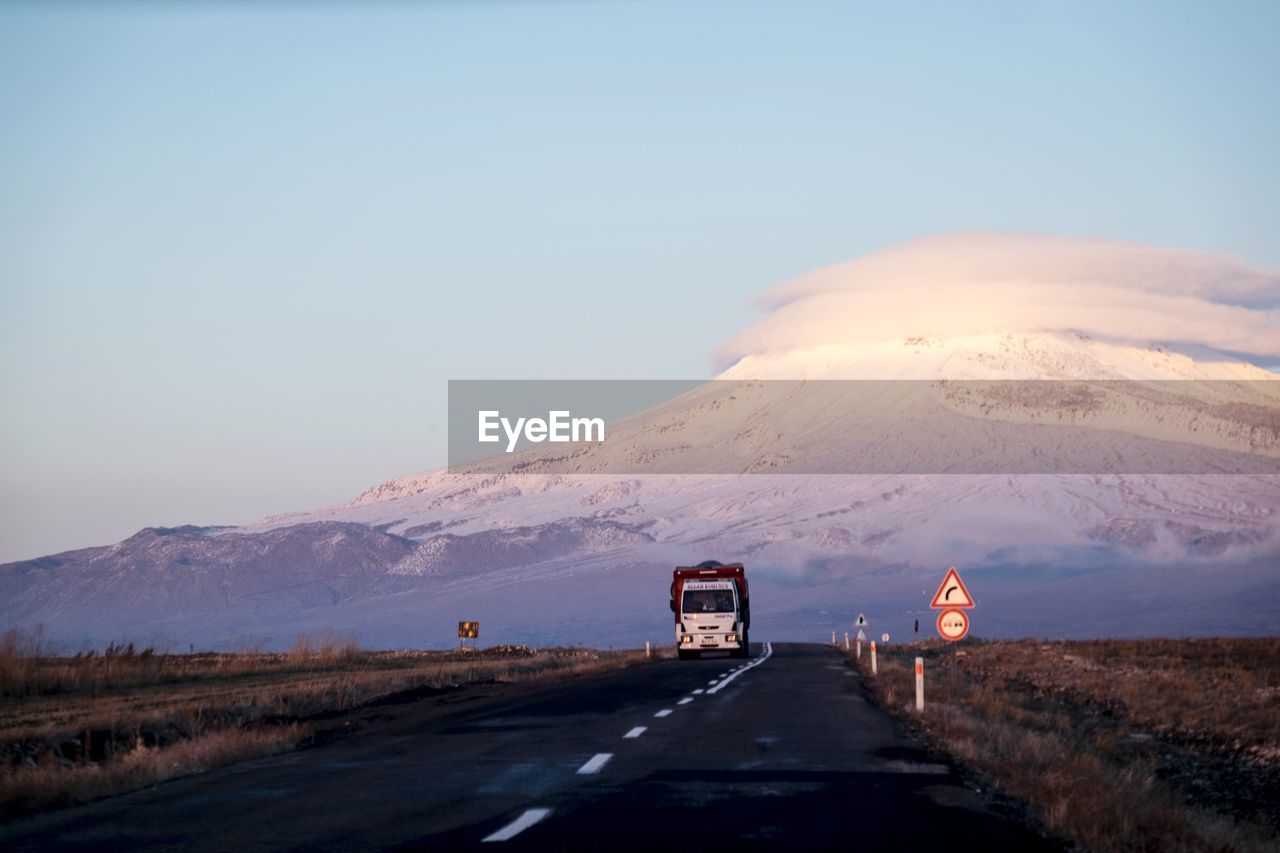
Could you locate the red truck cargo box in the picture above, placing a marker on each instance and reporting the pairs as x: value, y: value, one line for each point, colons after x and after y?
x: 712, y: 570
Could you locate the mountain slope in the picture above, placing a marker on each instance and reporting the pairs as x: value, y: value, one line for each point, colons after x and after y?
x: 1135, y: 492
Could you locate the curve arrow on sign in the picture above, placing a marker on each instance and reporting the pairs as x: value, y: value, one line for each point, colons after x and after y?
x: 953, y: 593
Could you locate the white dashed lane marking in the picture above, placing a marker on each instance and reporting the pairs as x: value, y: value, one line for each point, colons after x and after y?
x: 519, y: 825
x: 597, y: 762
x: 696, y: 692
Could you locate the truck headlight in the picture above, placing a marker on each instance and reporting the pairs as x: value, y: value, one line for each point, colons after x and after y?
x: 686, y: 639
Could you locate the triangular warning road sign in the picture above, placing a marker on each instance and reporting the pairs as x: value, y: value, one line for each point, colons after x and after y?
x: 952, y: 593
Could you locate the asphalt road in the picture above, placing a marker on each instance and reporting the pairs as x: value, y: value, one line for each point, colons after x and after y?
x: 782, y: 751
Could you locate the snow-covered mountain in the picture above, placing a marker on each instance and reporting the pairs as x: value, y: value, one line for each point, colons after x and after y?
x: 968, y: 463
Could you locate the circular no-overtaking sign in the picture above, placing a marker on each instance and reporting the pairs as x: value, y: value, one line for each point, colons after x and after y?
x: 953, y: 625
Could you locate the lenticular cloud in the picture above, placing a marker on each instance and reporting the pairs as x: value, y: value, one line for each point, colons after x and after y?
x: 979, y: 282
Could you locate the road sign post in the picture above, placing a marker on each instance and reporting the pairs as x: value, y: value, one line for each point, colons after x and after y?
x: 468, y: 631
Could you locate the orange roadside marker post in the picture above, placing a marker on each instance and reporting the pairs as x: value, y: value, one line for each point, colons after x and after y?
x: 919, y: 684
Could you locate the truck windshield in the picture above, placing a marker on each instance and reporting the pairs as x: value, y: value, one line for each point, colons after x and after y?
x: 708, y: 601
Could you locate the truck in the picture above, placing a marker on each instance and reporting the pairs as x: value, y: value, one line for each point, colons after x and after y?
x: 712, y: 609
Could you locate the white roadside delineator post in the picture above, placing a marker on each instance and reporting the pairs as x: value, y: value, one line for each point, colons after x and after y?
x: 846, y: 641
x: 873, y: 657
x: 919, y: 684
x: 833, y: 638
x: 648, y: 650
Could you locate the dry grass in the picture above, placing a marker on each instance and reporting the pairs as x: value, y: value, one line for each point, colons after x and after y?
x: 78, y: 728
x: 29, y: 668
x: 1118, y: 745
x: 48, y: 785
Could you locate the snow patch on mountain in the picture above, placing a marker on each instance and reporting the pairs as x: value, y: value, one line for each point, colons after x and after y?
x: 470, y: 553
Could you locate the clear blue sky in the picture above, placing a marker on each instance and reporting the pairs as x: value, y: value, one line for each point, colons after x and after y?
x: 244, y: 245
